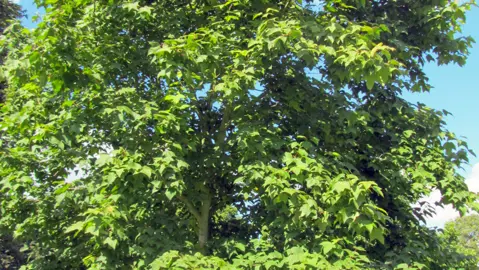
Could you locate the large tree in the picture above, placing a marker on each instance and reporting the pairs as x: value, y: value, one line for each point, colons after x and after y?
x: 230, y: 134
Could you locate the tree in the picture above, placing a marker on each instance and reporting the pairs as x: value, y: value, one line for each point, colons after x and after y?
x: 463, y: 234
x: 230, y: 134
x: 8, y: 11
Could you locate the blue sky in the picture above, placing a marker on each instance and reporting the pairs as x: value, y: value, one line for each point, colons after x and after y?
x: 31, y: 10
x: 455, y: 90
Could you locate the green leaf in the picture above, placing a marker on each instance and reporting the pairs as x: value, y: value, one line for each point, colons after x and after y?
x: 288, y: 158
x: 305, y: 210
x: 370, y: 80
x: 327, y: 246
x: 111, y: 242
x: 408, y: 133
x: 241, y: 247
x: 131, y: 6
x: 78, y: 226
x: 57, y: 142
x: 175, y: 99
x: 377, y: 234
x: 201, y: 58
x: 146, y: 171
x: 341, y: 186
x: 103, y: 159
x: 170, y: 194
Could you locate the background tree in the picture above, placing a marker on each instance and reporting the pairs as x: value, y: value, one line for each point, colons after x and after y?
x: 230, y: 134
x: 8, y: 11
x: 463, y: 234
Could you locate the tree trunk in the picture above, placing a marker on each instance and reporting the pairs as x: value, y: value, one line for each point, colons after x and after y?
x: 203, y: 225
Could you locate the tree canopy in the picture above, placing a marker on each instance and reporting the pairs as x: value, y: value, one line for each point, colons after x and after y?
x: 230, y: 134
x: 8, y: 11
x: 463, y: 234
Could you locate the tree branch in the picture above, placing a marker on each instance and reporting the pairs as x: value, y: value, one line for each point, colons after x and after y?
x: 190, y: 207
x: 203, y: 224
x: 223, y: 126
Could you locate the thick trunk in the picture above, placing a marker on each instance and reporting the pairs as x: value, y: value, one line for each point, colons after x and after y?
x: 203, y: 225
x: 202, y: 217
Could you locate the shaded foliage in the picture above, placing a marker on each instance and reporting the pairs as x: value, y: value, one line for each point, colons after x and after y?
x: 10, y: 256
x: 463, y: 235
x: 8, y: 11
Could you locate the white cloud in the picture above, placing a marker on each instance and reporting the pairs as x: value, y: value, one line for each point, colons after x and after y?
x: 75, y: 174
x: 473, y: 179
x: 16, y: 1
x: 448, y: 213
x: 80, y: 172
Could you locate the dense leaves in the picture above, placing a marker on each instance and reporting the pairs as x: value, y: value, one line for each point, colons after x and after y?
x: 230, y: 134
x: 8, y: 12
x: 10, y: 255
x: 463, y: 235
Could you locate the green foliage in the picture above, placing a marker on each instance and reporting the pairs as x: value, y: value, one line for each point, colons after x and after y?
x: 8, y: 11
x: 10, y: 255
x: 237, y: 134
x: 462, y: 234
